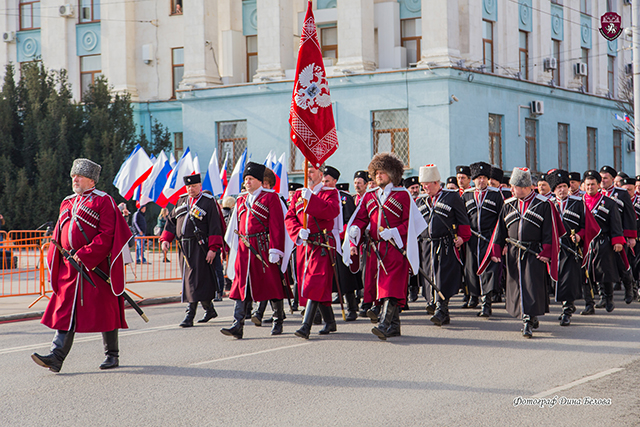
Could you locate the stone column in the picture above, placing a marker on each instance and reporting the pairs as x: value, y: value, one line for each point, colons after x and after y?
x: 54, y: 35
x: 200, y: 44
x: 118, y: 40
x: 356, y: 44
x: 275, y: 39
x: 231, y: 45
x: 440, y: 32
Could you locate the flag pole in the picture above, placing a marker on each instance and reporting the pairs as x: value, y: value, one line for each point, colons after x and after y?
x: 306, y: 182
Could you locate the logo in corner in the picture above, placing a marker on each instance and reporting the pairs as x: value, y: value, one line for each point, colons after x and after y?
x: 610, y: 26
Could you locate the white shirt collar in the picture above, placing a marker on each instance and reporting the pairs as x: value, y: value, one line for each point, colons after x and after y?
x: 317, y: 188
x: 252, y: 197
x: 383, y: 193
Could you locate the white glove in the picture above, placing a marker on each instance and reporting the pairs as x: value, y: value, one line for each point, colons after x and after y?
x: 303, y: 234
x: 354, y: 231
x: 306, y: 193
x: 386, y: 234
x: 274, y: 258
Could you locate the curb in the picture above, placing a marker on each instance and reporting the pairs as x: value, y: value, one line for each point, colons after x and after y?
x: 38, y: 314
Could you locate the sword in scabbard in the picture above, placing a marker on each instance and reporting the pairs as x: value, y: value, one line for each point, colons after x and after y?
x: 375, y: 251
x: 182, y: 252
x: 253, y: 250
x: 520, y: 246
x: 479, y: 236
x: 73, y: 262
x: 101, y: 274
x: 335, y: 272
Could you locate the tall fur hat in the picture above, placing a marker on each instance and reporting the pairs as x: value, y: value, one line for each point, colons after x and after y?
x: 480, y: 169
x: 86, y: 168
x: 520, y: 177
x: 496, y: 173
x: 557, y: 177
x: 389, y: 163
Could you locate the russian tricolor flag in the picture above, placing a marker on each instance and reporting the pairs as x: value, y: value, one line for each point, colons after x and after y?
x: 153, y: 186
x: 212, y: 181
x: 133, y: 172
x: 235, y: 182
x: 282, y: 178
x: 174, y: 188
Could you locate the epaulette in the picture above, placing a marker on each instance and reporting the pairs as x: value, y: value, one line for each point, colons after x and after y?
x: 328, y: 188
x: 71, y: 196
x: 468, y: 190
x: 269, y: 190
x: 511, y: 199
x: 451, y: 191
x: 493, y: 189
x: 539, y: 197
x: 99, y: 193
x: 369, y: 190
x: 574, y: 197
x: 207, y: 195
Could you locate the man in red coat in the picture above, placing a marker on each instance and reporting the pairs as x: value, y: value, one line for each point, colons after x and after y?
x: 92, y: 229
x: 315, y: 272
x: 394, y: 223
x: 256, y: 240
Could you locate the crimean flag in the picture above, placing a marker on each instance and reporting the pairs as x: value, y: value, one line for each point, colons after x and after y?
x: 313, y: 129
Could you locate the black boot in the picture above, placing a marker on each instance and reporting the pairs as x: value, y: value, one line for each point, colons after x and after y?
x: 394, y: 328
x: 473, y: 301
x: 110, y: 341
x: 527, y: 326
x: 441, y: 316
x: 309, y: 315
x: 413, y: 293
x: 278, y: 316
x: 602, y: 302
x: 352, y: 307
x: 329, y: 320
x: 239, y: 313
x: 486, y: 306
x: 608, y: 297
x: 389, y: 305
x: 465, y: 301
x: 209, y: 312
x: 318, y: 319
x: 191, y: 313
x: 60, y: 346
x: 589, y: 304
x: 628, y: 292
x: 364, y: 307
x: 374, y: 313
x: 257, y: 315
x: 567, y: 310
x: 431, y: 308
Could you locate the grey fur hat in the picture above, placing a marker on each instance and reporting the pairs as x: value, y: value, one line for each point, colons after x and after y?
x: 86, y: 168
x: 520, y: 177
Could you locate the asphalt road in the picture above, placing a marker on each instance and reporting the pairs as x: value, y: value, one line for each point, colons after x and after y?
x: 472, y: 372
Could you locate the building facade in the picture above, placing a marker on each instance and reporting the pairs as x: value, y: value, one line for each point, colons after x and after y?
x: 511, y: 82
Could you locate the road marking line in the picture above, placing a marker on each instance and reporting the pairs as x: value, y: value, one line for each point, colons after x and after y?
x: 249, y: 354
x: 577, y: 382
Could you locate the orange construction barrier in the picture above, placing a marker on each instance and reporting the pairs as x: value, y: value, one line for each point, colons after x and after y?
x: 157, y: 267
x: 20, y: 269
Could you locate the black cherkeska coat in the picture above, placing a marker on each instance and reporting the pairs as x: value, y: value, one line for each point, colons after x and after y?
x: 483, y: 220
x: 571, y: 276
x: 603, y: 263
x: 439, y: 259
x: 348, y: 281
x: 198, y: 279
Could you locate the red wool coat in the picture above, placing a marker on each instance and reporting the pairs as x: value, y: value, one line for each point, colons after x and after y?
x: 314, y: 269
x: 265, y: 218
x: 99, y: 309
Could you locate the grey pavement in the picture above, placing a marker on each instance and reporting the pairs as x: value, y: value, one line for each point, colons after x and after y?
x: 467, y: 373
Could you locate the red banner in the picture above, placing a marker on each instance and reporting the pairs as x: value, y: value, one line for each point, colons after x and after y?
x: 313, y: 129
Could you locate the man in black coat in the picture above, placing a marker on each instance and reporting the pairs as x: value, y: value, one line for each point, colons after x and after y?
x: 483, y: 205
x: 570, y: 273
x: 196, y: 222
x: 602, y: 262
x: 413, y: 186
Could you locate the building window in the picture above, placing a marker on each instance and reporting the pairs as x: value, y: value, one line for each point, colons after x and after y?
x: 531, y: 144
x: 232, y: 140
x: 177, y: 66
x: 29, y: 14
x: 391, y: 133
x: 329, y: 42
x: 487, y: 42
x: 592, y: 145
x: 89, y: 10
x: 252, y: 57
x: 90, y: 70
x: 556, y: 55
x: 524, y: 55
x: 176, y: 7
x: 563, y: 146
x: 617, y: 150
x: 495, y: 140
x: 611, y: 63
x: 585, y: 59
x: 411, y: 34
x: 178, y: 145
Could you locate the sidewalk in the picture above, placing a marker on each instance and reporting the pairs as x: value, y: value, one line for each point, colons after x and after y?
x: 17, y: 308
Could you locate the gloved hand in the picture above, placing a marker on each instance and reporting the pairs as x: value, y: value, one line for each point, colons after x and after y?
x: 304, y: 234
x: 353, y: 232
x: 274, y: 258
x: 306, y: 193
x: 386, y: 234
